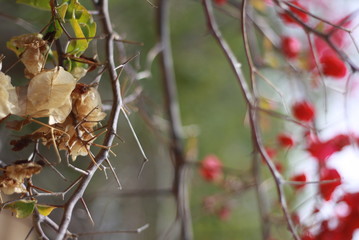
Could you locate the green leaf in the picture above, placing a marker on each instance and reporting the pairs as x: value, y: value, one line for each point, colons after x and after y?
x: 41, y: 4
x: 53, y: 32
x: 61, y: 10
x: 45, y: 210
x: 22, y: 208
x: 77, y: 46
x: 83, y: 26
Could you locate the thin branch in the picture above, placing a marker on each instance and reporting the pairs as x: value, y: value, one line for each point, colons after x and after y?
x: 102, y: 7
x: 174, y: 118
x: 137, y: 230
x: 249, y: 97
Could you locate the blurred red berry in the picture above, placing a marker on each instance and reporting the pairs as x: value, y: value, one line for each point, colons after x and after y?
x: 327, y: 189
x: 224, y: 213
x: 220, y: 2
x: 340, y: 141
x: 295, y: 219
x: 271, y: 152
x: 299, y: 14
x: 333, y: 66
x: 211, y: 168
x: 279, y: 166
x: 299, y: 178
x: 291, y: 47
x: 322, y: 150
x: 303, y: 111
x: 284, y: 140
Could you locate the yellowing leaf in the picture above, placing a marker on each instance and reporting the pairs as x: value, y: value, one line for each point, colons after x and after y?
x: 83, y: 26
x: 23, y: 208
x: 260, y: 5
x: 41, y: 4
x: 79, y: 45
x: 61, y: 10
x: 271, y: 59
x: 45, y: 210
x: 266, y: 104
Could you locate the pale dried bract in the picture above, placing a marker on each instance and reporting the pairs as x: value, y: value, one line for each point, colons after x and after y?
x: 87, y: 105
x: 14, y: 175
x: 48, y: 95
x: 76, y: 134
x: 10, y: 186
x: 31, y: 49
x: 8, y: 97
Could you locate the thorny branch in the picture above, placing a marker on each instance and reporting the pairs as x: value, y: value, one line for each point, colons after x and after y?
x: 250, y: 98
x: 102, y: 7
x: 174, y: 121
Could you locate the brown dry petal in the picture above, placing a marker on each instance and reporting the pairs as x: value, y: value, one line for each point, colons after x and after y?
x: 75, y: 135
x: 9, y: 186
x: 78, y: 72
x: 21, y: 171
x: 48, y: 95
x: 34, y: 49
x: 75, y: 141
x: 87, y: 105
x: 8, y: 97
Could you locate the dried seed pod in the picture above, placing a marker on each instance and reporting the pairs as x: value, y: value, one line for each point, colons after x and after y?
x: 8, y: 97
x: 9, y: 186
x: 87, y: 105
x: 31, y: 50
x: 75, y: 135
x: 48, y: 95
x: 15, y: 174
x: 20, y: 171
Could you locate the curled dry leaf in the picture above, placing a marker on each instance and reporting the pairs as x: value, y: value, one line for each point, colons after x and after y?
x: 15, y: 174
x: 10, y: 186
x: 8, y: 97
x: 31, y: 50
x: 48, y: 95
x: 22, y: 170
x: 67, y: 137
x: 87, y: 105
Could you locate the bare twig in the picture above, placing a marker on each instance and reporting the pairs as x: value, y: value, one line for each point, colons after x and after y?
x: 102, y: 7
x: 137, y: 230
x: 250, y: 98
x: 174, y: 118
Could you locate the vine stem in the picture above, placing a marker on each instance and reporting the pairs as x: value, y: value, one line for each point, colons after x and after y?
x: 102, y: 6
x: 180, y: 187
x: 250, y: 97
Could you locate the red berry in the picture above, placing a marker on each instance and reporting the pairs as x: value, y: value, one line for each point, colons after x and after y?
x: 333, y: 66
x: 291, y: 47
x: 303, y: 111
x: 299, y: 178
x: 224, y: 213
x: 327, y: 189
x: 322, y: 150
x: 271, y: 152
x: 220, y: 2
x: 211, y: 168
x: 299, y: 14
x: 279, y: 167
x: 285, y: 140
